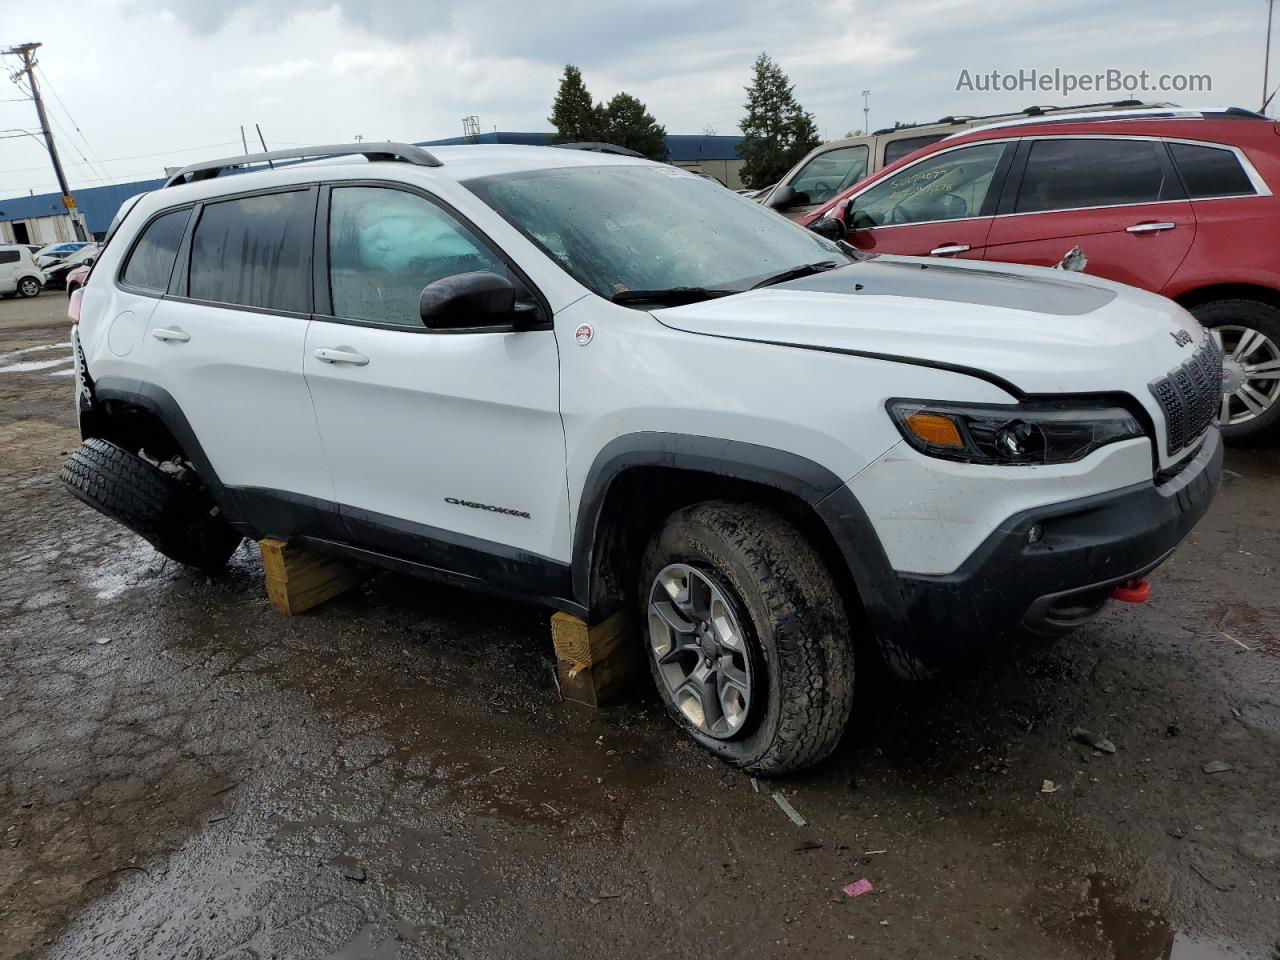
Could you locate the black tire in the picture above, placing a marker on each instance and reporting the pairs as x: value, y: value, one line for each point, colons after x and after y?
x: 176, y: 519
x: 1265, y: 319
x: 795, y: 626
x: 28, y: 287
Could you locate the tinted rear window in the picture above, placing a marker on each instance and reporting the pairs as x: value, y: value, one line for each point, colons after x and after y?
x: 152, y: 259
x: 895, y: 150
x: 9, y: 256
x: 1211, y: 171
x: 255, y: 252
x: 1072, y: 174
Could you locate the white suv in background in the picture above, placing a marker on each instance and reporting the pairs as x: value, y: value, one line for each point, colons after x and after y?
x: 19, y: 274
x: 596, y: 382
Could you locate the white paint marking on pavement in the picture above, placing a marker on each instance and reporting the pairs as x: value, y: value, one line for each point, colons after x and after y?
x: 28, y: 365
x: 48, y: 346
x: 69, y: 372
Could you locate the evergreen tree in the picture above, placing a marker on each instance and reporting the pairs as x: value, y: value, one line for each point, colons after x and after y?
x: 777, y: 131
x: 627, y: 123
x: 573, y: 115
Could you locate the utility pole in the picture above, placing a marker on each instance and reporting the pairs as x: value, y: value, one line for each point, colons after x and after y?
x: 1266, y: 60
x: 866, y: 111
x: 26, y: 52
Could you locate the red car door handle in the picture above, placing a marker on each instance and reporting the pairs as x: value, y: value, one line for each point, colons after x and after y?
x: 1149, y: 227
x: 947, y: 249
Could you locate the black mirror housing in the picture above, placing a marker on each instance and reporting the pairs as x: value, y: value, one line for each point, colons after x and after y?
x: 831, y: 228
x: 782, y: 197
x: 479, y: 299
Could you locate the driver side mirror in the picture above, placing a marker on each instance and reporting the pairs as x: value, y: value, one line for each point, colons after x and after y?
x: 479, y: 299
x: 783, y: 197
x: 87, y: 262
x: 831, y: 228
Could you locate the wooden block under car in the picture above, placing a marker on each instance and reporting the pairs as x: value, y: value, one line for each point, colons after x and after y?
x: 596, y: 663
x: 299, y: 579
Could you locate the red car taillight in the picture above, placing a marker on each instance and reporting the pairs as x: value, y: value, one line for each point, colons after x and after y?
x: 73, y: 305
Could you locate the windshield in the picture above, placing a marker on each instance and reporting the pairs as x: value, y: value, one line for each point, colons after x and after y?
x: 646, y: 228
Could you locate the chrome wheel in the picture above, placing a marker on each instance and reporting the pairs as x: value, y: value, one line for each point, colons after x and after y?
x: 1250, y: 373
x: 28, y: 286
x: 700, y: 650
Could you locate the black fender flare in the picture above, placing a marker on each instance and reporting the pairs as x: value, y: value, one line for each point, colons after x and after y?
x: 835, y: 504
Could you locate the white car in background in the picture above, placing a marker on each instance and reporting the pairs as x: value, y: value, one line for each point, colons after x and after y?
x: 18, y: 271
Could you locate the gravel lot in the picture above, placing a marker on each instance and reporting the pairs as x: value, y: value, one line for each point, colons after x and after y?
x: 185, y: 772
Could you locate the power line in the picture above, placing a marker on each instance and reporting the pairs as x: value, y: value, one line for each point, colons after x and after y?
x: 83, y: 139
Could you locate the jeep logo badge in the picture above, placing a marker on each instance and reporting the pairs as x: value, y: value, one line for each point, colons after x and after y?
x: 583, y: 334
x: 1180, y: 337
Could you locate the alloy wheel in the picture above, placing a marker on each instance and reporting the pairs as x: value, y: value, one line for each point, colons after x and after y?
x: 1250, y: 373
x: 28, y: 287
x: 698, y: 645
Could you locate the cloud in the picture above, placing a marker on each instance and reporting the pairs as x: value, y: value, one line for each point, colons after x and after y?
x: 157, y: 82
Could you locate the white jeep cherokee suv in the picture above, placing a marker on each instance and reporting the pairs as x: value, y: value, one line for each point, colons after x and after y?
x: 594, y: 382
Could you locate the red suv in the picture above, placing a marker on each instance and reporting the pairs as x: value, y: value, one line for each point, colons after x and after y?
x: 1175, y: 201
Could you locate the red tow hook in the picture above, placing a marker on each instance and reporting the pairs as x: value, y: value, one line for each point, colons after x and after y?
x: 1133, y: 591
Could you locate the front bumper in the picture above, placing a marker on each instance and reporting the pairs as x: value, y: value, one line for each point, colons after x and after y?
x: 1009, y: 584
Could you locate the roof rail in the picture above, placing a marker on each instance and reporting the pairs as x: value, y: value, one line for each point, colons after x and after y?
x: 1035, y: 110
x: 406, y: 152
x: 1103, y: 116
x: 596, y: 147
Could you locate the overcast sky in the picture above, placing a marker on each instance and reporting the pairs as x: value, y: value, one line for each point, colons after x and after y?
x: 156, y: 82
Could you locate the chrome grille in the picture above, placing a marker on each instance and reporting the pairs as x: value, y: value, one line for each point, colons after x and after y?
x: 1190, y: 397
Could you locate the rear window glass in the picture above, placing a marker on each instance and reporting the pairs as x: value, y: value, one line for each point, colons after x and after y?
x: 9, y: 256
x: 1211, y: 171
x: 152, y: 259
x: 255, y: 252
x: 1074, y: 174
x: 895, y: 150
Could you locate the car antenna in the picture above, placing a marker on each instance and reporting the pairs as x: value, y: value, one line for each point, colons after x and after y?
x: 258, y: 127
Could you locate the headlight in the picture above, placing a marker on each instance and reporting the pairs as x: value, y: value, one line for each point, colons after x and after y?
x: 1035, y: 432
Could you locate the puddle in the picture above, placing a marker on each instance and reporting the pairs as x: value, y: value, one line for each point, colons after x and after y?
x: 1142, y: 933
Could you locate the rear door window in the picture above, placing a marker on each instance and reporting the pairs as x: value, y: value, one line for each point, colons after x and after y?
x: 895, y: 150
x: 255, y: 252
x: 1071, y: 174
x: 151, y: 261
x: 1211, y: 171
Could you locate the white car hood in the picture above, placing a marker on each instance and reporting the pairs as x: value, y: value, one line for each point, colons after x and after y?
x: 1044, y: 331
x: 1030, y: 329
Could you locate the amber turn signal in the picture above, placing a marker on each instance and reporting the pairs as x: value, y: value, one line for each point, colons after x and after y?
x: 935, y: 429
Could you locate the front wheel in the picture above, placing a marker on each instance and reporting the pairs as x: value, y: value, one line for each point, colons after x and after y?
x: 747, y: 636
x: 28, y: 286
x: 1248, y: 332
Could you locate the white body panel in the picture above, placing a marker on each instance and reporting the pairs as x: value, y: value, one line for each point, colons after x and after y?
x: 433, y: 418
x: 932, y: 514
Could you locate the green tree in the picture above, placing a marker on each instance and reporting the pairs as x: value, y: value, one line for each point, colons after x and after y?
x: 627, y: 123
x: 573, y: 114
x: 777, y: 131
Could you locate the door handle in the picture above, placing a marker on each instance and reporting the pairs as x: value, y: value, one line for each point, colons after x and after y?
x: 341, y: 355
x: 171, y: 336
x: 947, y: 249
x: 1149, y: 227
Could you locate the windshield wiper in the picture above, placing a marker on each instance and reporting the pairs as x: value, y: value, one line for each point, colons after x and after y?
x: 795, y: 273
x: 671, y: 296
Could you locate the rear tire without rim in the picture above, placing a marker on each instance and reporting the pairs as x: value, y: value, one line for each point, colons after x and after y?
x: 176, y: 519
x: 752, y: 657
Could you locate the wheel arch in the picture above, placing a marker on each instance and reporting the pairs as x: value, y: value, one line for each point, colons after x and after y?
x: 638, y: 480
x: 1228, y: 291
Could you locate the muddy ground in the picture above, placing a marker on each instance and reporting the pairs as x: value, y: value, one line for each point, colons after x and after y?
x: 185, y: 772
